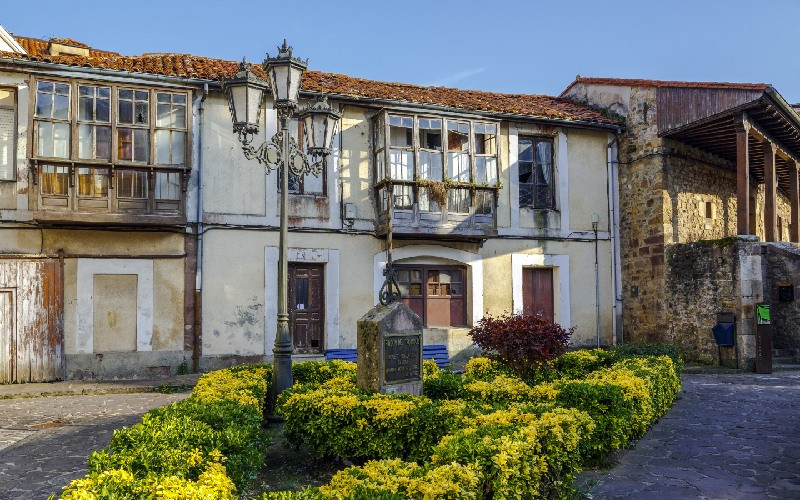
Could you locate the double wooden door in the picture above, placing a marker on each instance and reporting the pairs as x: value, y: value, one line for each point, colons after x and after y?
x: 537, y: 292
x: 31, y: 320
x: 436, y: 293
x: 307, y: 307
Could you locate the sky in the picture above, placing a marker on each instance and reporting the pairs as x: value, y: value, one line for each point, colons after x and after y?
x: 535, y: 47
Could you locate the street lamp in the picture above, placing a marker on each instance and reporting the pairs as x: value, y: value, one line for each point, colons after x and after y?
x: 245, y: 97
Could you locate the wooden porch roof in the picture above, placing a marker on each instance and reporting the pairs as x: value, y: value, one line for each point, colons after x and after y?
x: 707, y: 118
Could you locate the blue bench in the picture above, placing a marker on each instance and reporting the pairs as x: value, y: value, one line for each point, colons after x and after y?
x: 437, y: 353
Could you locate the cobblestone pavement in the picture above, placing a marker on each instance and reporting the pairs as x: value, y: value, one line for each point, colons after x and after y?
x: 728, y: 437
x: 44, y: 442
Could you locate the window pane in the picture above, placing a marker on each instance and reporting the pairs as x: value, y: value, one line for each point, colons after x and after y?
x: 124, y: 144
x: 379, y: 166
x: 167, y: 185
x: 141, y: 145
x: 485, y: 170
x: 400, y: 131
x: 54, y: 179
x: 61, y: 107
x: 86, y: 108
x: 7, y: 133
x: 93, y: 182
x: 141, y: 113
x: 485, y: 140
x: 162, y: 147
x: 525, y: 150
x: 85, y: 142
x: 430, y: 165
x: 102, y: 111
x: 544, y: 152
x: 44, y: 104
x: 61, y: 140
x: 458, y: 201
x: 426, y: 204
x: 45, y: 137
x: 430, y: 134
x: 378, y: 135
x: 179, y: 116
x: 45, y: 87
x: 125, y: 110
x: 401, y: 163
x: 457, y: 136
x: 102, y: 138
x: 162, y: 116
x: 313, y: 184
x: 132, y: 184
x: 458, y: 164
x: 178, y: 147
x: 484, y: 202
x: 403, y: 197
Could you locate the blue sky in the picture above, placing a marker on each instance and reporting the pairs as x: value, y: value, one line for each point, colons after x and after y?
x: 504, y: 46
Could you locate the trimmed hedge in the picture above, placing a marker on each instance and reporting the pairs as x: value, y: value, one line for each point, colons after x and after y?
x: 206, y: 446
x: 640, y: 349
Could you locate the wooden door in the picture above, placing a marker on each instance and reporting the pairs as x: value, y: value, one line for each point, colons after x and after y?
x: 537, y: 292
x: 436, y: 293
x: 31, y: 326
x: 307, y: 307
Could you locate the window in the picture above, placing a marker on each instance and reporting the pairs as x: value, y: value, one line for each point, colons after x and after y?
x: 95, y: 140
x: 133, y: 140
x: 170, y: 128
x: 52, y: 119
x: 131, y: 184
x: 94, y: 110
x: 305, y: 184
x: 536, y: 185
x: 8, y: 132
x: 417, y: 153
x: 707, y: 210
x: 54, y: 179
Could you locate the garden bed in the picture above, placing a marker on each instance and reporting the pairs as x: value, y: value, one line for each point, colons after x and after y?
x: 485, y: 434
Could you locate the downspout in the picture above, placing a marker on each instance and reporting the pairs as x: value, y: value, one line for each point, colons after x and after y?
x: 613, y: 207
x: 198, y: 283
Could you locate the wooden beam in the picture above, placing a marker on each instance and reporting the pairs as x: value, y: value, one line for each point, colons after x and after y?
x: 794, y: 200
x: 761, y: 134
x: 742, y: 178
x: 771, y: 201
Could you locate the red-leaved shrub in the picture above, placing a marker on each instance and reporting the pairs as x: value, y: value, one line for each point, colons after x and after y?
x: 523, y: 343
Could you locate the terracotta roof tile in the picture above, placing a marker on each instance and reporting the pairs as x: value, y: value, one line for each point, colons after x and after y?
x: 635, y: 82
x: 194, y: 67
x: 39, y: 47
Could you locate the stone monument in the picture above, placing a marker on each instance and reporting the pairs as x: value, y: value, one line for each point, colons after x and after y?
x: 390, y: 350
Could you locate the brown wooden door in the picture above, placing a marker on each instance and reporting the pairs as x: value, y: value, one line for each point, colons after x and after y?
x: 537, y: 292
x: 307, y: 307
x: 31, y: 320
x: 436, y: 293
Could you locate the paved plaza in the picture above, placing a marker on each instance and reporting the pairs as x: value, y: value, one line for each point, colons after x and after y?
x: 728, y: 437
x: 45, y: 441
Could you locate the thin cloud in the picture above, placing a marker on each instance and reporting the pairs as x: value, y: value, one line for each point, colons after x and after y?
x: 450, y: 80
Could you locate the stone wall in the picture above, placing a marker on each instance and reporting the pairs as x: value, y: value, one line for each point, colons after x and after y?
x: 783, y: 266
x: 710, y: 277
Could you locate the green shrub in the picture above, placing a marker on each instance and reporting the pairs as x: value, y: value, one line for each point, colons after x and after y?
x: 352, y: 424
x: 661, y: 377
x: 639, y: 349
x: 317, y: 372
x: 183, y: 446
x: 577, y: 364
x: 445, y: 385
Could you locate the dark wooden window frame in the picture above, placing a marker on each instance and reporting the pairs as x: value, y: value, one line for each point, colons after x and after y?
x: 550, y: 204
x: 426, y: 269
x: 113, y: 203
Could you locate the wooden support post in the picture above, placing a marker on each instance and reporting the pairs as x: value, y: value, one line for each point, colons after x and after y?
x: 742, y: 178
x: 771, y: 185
x: 794, y: 200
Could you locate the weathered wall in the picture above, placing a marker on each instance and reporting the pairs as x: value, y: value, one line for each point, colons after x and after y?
x: 782, y: 267
x: 709, y: 277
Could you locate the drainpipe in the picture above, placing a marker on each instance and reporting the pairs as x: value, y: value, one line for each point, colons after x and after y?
x: 613, y: 207
x: 198, y: 283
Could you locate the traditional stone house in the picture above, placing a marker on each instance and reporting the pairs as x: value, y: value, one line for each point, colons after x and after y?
x: 136, y: 236
x: 700, y: 164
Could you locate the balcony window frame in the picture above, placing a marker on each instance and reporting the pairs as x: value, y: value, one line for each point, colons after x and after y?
x: 112, y: 203
x: 12, y: 156
x: 381, y: 165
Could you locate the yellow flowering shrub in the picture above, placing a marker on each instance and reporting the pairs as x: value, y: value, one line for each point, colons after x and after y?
x: 317, y: 372
x: 406, y: 479
x: 576, y: 364
x: 480, y: 368
x: 503, y: 389
x: 201, y: 447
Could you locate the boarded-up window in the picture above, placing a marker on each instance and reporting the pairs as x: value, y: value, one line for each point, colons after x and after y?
x: 114, y: 311
x: 8, y: 128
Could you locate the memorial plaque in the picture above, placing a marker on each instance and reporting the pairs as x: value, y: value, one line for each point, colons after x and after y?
x: 390, y: 350
x: 401, y: 358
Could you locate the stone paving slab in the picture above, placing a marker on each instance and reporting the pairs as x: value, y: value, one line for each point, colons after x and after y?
x: 734, y: 436
x: 70, y: 387
x: 45, y: 442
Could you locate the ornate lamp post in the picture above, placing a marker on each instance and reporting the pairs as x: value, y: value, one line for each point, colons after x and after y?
x: 245, y: 97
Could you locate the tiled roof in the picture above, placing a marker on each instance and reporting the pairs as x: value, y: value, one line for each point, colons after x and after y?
x: 635, y: 82
x: 204, y: 68
x: 38, y: 47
